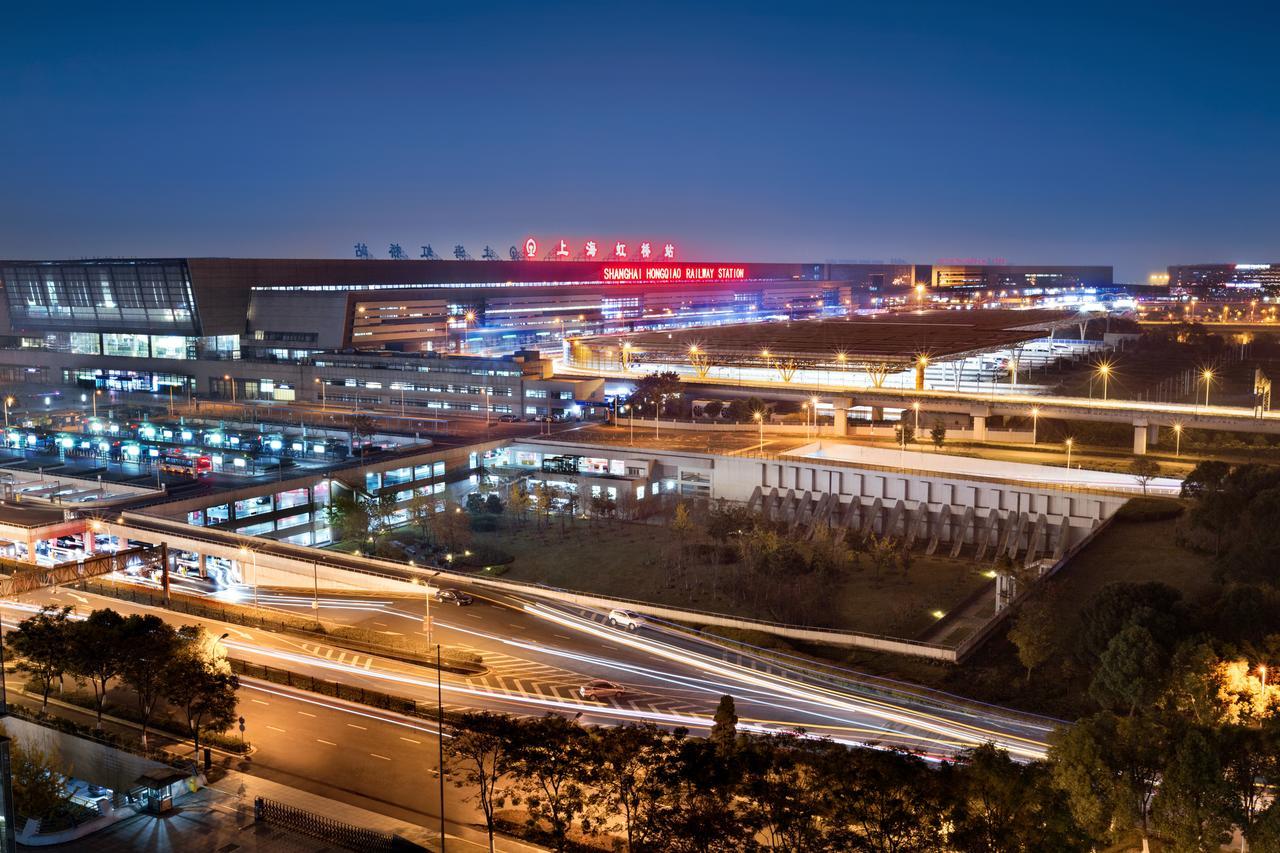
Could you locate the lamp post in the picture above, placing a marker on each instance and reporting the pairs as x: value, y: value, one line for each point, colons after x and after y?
x: 324, y: 403
x: 1104, y: 370
x: 813, y: 401
x: 1177, y: 440
x: 226, y: 377
x: 1069, y: 442
x: 8, y: 401
x: 759, y: 418
x: 1207, y: 376
x: 1035, y: 423
x: 916, y: 406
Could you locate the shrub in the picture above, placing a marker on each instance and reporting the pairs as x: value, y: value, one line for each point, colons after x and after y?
x: 1149, y: 509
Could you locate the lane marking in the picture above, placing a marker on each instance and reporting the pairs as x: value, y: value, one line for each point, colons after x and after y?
x: 306, y: 714
x: 260, y: 702
x: 329, y: 742
x: 411, y: 740
x: 276, y: 729
x: 354, y: 726
x: 383, y: 757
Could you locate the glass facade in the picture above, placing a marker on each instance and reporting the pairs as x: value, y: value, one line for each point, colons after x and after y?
x: 121, y: 296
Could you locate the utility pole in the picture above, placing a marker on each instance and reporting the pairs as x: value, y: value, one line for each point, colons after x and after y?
x: 440, y: 742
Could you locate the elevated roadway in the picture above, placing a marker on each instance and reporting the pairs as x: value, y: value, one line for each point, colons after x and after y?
x: 1146, y: 417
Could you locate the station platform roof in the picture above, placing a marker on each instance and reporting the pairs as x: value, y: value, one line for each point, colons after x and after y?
x: 900, y: 337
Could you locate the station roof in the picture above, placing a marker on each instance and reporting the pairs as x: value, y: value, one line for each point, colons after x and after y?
x: 883, y: 338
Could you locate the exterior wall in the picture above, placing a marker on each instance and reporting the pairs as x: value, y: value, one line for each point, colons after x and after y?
x: 736, y: 478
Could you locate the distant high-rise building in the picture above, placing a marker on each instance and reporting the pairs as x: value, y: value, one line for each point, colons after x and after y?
x: 1224, y: 278
x: 1006, y: 277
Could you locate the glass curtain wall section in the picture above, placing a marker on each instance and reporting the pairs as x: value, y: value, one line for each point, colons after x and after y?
x: 138, y: 297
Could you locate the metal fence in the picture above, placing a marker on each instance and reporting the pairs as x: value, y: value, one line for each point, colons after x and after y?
x: 327, y: 829
x: 325, y: 687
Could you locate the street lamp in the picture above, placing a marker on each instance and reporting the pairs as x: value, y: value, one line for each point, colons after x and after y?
x: 1035, y: 423
x: 1207, y: 376
x: 324, y: 403
x: 1069, y: 442
x: 226, y: 377
x: 805, y: 408
x: 1104, y: 370
x: 1177, y: 440
x: 916, y: 406
x: 814, y: 402
x: 759, y: 418
x: 8, y: 401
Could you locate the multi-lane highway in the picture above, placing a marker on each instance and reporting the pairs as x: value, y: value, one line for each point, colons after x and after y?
x: 538, y: 655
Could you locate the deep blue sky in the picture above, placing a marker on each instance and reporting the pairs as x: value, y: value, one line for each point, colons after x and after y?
x: 1131, y: 134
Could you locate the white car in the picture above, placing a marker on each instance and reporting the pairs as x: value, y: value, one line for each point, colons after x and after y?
x: 626, y: 619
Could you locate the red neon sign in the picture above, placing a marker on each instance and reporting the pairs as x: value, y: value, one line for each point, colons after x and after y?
x: 671, y: 272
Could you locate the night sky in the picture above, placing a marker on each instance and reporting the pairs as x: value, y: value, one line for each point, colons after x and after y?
x: 1129, y: 134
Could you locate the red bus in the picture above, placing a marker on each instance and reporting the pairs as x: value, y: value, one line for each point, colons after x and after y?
x: 190, y: 466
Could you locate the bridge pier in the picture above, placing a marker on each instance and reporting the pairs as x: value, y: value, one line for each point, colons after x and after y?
x: 979, y: 427
x: 1139, y: 438
x: 877, y: 414
x: 1153, y: 435
x: 840, y: 421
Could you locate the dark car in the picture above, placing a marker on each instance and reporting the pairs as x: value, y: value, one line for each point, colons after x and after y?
x: 454, y: 596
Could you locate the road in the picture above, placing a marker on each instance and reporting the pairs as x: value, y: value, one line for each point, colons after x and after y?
x: 538, y: 654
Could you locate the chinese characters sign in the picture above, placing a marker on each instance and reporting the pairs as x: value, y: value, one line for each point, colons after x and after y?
x: 592, y: 250
x: 671, y: 272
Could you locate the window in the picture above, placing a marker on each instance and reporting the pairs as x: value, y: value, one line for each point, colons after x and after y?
x: 372, y: 481
x: 438, y: 469
x: 258, y: 529
x: 196, y: 517
x: 253, y: 506
x: 535, y: 394
x: 640, y: 493
x: 566, y: 395
x: 291, y: 498
x: 217, y: 514
x: 397, y: 476
x: 293, y: 521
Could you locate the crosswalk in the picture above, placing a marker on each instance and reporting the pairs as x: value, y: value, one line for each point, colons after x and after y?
x: 341, y: 656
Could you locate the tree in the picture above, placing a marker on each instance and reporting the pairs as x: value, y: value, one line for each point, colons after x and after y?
x: 202, y: 685
x: 655, y: 391
x: 1009, y: 806
x: 1130, y: 671
x: 518, y: 502
x: 885, y: 801
x: 1250, y: 764
x: 484, y: 747
x: 362, y: 425
x: 635, y: 770
x: 713, y: 409
x: 545, y: 496
x: 904, y: 433
x: 43, y: 642
x: 422, y: 509
x: 452, y: 528
x: 784, y: 791
x: 150, y: 646
x: 745, y: 410
x: 1107, y: 767
x: 550, y: 763
x: 1144, y: 469
x: 97, y: 653
x: 938, y: 434
x: 724, y: 729
x: 1206, y: 477
x: 683, y: 527
x: 1032, y: 632
x: 493, y: 504
x: 1193, y: 806
x: 1154, y: 605
x: 38, y: 786
x: 349, y: 516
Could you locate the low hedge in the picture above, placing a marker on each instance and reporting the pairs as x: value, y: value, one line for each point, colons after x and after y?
x: 1149, y: 509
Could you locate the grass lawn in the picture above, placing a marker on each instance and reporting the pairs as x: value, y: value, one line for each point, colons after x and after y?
x: 634, y: 560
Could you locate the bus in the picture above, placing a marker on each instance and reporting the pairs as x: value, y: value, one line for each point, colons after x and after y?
x: 190, y: 466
